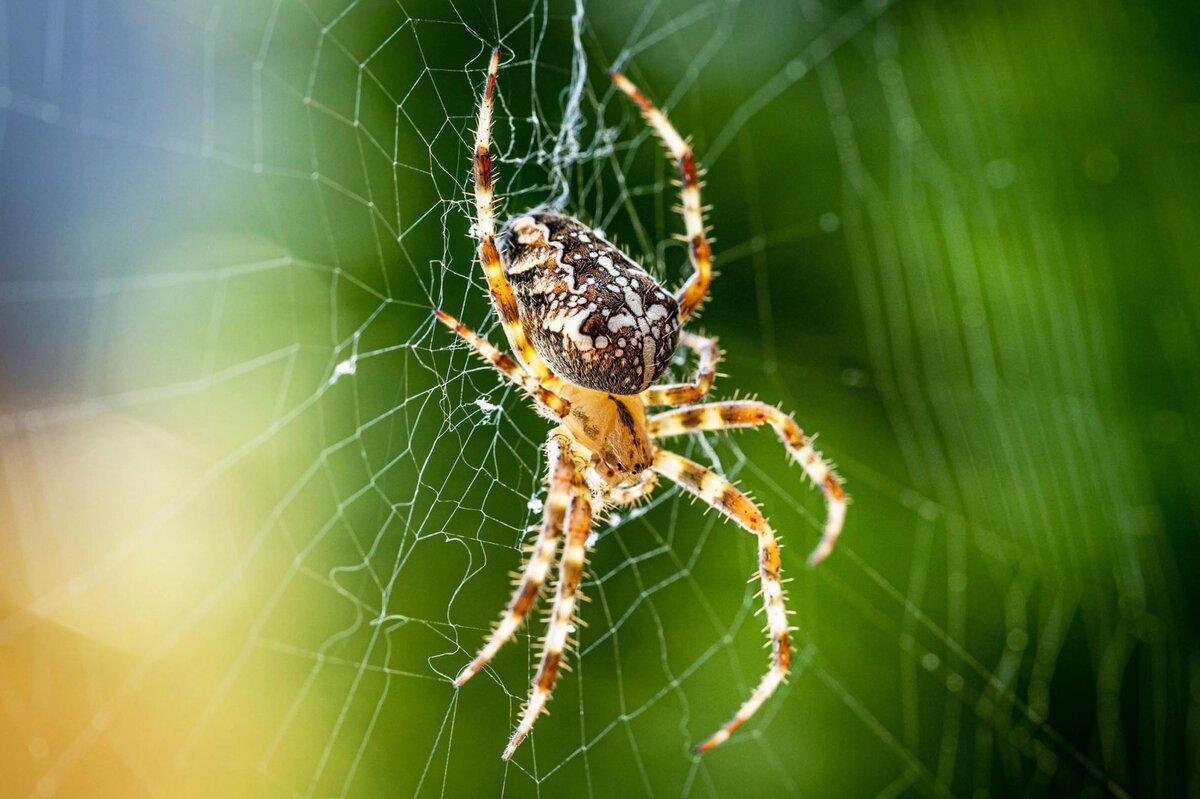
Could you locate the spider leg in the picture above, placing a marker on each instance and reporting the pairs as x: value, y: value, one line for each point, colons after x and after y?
x: 626, y: 495
x: 750, y: 413
x: 543, y: 390
x: 696, y: 287
x: 561, y: 471
x: 682, y: 393
x: 570, y: 572
x: 719, y: 493
x: 501, y: 291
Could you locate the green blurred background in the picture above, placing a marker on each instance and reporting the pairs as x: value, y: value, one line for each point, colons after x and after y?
x: 257, y: 511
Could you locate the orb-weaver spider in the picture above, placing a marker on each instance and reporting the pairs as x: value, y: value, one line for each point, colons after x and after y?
x: 591, y: 331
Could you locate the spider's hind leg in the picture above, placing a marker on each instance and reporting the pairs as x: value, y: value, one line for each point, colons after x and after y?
x: 719, y: 493
x: 561, y: 468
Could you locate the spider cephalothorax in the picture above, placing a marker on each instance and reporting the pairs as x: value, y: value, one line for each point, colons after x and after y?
x: 591, y: 332
x: 593, y: 314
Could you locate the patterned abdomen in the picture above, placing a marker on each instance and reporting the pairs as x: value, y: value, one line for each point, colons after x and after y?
x: 593, y: 315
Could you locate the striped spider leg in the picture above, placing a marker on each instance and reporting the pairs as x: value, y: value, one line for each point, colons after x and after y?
x: 629, y: 495
x: 569, y: 499
x: 751, y: 413
x: 568, y: 502
x: 562, y: 612
x: 560, y: 467
x: 545, y: 390
x: 719, y: 493
x: 696, y: 287
x: 501, y: 291
x: 706, y: 372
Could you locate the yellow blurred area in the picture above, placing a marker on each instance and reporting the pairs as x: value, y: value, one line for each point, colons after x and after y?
x: 104, y: 571
x: 99, y: 561
x: 128, y: 525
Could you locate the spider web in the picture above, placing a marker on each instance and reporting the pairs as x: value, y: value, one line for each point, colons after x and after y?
x: 259, y: 509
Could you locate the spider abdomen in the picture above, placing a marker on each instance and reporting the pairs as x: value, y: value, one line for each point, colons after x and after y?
x: 596, y: 317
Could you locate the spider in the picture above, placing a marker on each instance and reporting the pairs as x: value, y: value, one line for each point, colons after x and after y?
x: 591, y: 331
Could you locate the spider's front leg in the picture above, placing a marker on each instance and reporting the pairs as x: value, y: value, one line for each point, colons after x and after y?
x: 750, y: 413
x: 500, y: 290
x: 719, y: 493
x: 696, y: 287
x: 561, y: 469
x: 570, y: 573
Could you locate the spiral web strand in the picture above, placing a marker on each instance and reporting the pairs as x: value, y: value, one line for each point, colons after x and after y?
x: 334, y: 490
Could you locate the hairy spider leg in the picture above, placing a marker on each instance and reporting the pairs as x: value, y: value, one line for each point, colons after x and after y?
x: 719, y: 493
x: 626, y: 495
x: 695, y: 289
x: 543, y: 390
x: 570, y: 573
x: 706, y: 372
x: 501, y: 291
x: 560, y: 468
x: 749, y: 413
